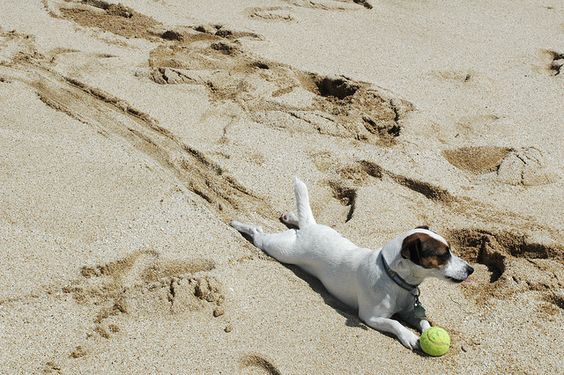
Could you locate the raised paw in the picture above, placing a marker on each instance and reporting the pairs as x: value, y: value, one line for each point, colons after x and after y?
x: 290, y: 218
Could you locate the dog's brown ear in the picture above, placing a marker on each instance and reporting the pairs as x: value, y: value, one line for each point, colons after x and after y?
x: 422, y: 227
x: 411, y: 248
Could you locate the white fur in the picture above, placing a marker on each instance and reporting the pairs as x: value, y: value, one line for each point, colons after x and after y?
x: 351, y: 273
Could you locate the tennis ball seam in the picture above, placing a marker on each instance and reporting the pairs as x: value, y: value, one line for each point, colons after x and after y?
x: 435, y: 341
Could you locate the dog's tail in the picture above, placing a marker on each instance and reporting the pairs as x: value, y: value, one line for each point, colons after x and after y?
x: 305, y: 216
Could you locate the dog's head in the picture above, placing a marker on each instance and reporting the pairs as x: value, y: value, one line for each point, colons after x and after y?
x: 431, y: 254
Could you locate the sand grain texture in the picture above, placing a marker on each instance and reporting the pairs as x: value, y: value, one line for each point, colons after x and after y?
x: 132, y: 132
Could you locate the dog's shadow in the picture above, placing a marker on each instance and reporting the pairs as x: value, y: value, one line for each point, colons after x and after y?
x: 351, y: 315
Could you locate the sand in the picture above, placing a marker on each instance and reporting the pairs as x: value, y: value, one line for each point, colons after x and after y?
x: 131, y: 133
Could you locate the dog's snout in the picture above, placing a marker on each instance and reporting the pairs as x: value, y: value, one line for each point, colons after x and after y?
x: 469, y: 270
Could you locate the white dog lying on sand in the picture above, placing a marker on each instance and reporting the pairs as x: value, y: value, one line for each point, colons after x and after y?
x: 379, y: 283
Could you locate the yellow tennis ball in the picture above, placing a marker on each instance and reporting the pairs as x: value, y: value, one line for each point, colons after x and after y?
x: 435, y: 341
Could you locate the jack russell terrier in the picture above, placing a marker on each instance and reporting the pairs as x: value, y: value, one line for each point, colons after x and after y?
x: 377, y: 283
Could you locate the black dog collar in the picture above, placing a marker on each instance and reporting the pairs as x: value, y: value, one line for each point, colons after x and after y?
x: 413, y: 289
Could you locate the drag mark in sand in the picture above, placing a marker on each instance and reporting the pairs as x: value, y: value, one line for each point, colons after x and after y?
x: 349, y: 177
x: 113, y: 117
x: 345, y: 195
x: 110, y: 114
x: 279, y: 96
x: 272, y: 94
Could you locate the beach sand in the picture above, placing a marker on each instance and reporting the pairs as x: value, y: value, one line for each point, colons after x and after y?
x: 132, y: 133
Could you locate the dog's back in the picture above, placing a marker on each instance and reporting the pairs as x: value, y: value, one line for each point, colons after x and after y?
x: 333, y: 259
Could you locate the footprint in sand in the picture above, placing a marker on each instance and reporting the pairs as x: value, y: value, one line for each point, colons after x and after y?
x: 276, y: 95
x: 115, y: 18
x: 257, y: 364
x: 467, y: 126
x: 271, y: 14
x: 52, y: 368
x: 552, y: 62
x: 142, y: 285
x: 521, y: 166
x: 525, y: 166
x: 455, y: 76
x: 476, y: 159
x: 279, y: 96
x: 335, y: 5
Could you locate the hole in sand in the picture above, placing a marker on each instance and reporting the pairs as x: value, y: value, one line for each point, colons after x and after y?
x: 337, y: 87
x: 480, y: 247
x: 345, y: 195
x: 556, y: 300
x: 430, y: 191
x: 224, y: 48
x: 172, y: 35
x: 492, y: 249
x: 260, y: 65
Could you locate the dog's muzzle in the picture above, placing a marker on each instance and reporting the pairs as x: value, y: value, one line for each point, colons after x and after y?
x: 469, y: 271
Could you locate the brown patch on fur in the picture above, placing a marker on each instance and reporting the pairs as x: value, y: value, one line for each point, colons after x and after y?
x: 432, y: 262
x: 425, y: 250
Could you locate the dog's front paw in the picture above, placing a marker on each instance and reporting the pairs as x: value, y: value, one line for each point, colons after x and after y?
x: 409, y: 339
x: 424, y: 325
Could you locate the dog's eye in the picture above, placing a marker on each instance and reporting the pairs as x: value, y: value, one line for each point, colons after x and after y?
x: 436, y: 260
x: 443, y: 258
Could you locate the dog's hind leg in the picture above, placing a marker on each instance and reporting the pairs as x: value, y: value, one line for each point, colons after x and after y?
x: 305, y: 216
x: 290, y: 218
x: 278, y: 245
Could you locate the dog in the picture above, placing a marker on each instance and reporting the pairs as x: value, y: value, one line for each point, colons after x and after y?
x: 377, y: 283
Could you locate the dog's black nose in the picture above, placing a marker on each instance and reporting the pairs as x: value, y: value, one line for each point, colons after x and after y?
x: 470, y: 270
